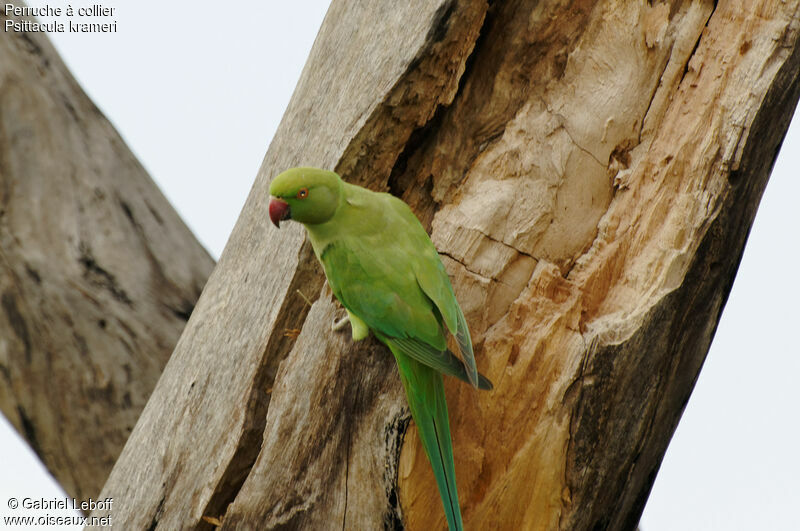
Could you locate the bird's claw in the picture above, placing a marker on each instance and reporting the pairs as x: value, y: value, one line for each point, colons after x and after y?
x: 339, y: 325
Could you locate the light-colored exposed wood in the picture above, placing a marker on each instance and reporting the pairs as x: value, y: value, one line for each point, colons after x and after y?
x: 589, y: 171
x: 98, y: 274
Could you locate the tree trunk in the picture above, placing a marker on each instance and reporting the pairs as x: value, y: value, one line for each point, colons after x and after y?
x: 98, y: 273
x: 589, y: 172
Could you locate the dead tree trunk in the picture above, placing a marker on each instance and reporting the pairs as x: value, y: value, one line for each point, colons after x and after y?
x: 589, y: 170
x: 98, y: 274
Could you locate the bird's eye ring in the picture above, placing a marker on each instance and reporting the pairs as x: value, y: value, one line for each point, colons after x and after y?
x: 302, y: 193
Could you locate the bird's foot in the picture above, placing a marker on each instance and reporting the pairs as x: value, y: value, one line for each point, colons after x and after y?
x: 337, y: 326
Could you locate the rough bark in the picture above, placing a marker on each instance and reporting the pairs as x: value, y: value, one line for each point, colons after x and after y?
x: 98, y: 274
x: 589, y: 171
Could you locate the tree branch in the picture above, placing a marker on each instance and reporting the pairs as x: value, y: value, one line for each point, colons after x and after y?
x: 98, y: 274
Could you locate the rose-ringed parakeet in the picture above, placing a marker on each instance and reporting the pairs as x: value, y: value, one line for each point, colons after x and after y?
x: 383, y: 268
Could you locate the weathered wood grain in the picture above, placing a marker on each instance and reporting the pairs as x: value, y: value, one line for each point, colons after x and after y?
x: 589, y: 171
x: 98, y: 274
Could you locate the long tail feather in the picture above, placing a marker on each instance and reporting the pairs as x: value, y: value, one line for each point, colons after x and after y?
x: 425, y: 392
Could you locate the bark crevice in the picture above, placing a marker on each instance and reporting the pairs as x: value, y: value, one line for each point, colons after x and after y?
x: 307, y: 277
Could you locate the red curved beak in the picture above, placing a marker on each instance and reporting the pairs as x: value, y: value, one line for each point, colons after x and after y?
x: 278, y: 211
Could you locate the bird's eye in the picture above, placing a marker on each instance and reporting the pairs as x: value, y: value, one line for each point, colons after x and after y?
x: 302, y: 193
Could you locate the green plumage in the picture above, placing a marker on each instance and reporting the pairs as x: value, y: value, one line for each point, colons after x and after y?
x: 383, y: 268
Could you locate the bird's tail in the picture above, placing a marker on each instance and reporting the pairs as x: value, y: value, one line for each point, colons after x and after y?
x: 425, y: 392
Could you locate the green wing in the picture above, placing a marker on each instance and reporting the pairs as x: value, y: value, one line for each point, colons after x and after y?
x: 393, y: 279
x: 435, y: 283
x: 443, y: 361
x: 380, y: 291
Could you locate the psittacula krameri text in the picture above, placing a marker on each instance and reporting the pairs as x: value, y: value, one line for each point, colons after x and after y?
x: 383, y: 268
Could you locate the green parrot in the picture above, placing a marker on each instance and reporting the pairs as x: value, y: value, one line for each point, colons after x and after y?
x: 383, y: 268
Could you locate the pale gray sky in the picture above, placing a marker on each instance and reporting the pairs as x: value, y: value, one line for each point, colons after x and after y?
x: 197, y: 90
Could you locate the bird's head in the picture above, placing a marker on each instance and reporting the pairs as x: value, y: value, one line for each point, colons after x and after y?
x: 307, y: 195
